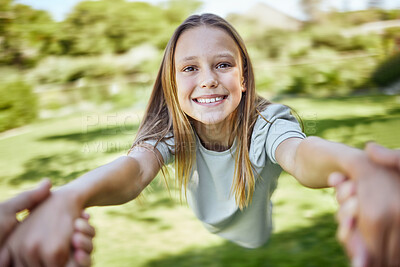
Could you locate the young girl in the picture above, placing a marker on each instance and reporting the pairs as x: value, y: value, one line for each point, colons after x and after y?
x: 228, y: 145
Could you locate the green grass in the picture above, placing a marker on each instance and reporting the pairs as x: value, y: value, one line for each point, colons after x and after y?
x: 160, y: 231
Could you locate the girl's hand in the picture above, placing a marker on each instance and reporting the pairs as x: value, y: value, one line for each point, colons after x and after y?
x: 347, y: 233
x: 82, y: 242
x: 44, y: 238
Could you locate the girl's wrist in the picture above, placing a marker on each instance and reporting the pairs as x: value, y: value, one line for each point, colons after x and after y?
x: 355, y: 161
x: 71, y: 194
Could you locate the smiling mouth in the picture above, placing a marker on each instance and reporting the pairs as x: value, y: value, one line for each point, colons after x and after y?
x: 207, y: 100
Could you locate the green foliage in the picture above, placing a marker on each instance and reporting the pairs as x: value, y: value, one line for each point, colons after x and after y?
x: 18, y: 104
x: 388, y: 71
x: 340, y: 43
x: 107, y: 26
x: 26, y: 34
x: 359, y: 17
x: 328, y: 75
x: 70, y: 69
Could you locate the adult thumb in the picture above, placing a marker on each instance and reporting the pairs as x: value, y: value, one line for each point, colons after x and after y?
x: 383, y: 156
x: 29, y: 199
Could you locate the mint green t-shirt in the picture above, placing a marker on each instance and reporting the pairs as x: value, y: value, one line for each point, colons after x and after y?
x: 209, y: 188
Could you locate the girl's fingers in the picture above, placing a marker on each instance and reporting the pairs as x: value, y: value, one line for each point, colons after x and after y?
x: 345, y: 190
x: 348, y: 209
x: 82, y: 258
x: 82, y: 242
x: 346, y: 218
x: 345, y: 229
x: 85, y: 215
x: 83, y: 226
x: 336, y: 178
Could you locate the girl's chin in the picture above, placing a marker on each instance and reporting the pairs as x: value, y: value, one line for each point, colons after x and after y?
x: 209, y: 121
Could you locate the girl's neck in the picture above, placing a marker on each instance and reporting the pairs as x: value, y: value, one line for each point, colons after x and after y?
x: 216, y: 137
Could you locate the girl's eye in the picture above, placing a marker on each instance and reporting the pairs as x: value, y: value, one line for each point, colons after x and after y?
x: 189, y: 69
x: 223, y: 65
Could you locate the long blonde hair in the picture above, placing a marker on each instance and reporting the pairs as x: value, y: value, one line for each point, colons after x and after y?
x: 164, y: 115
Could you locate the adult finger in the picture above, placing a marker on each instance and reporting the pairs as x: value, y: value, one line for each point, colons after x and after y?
x: 29, y: 199
x: 393, y: 248
x: 383, y: 156
x: 357, y: 250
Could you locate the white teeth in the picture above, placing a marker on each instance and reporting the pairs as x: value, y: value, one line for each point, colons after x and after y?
x: 209, y: 100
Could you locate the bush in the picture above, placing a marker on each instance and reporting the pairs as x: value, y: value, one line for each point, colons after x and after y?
x: 18, y: 104
x: 388, y: 71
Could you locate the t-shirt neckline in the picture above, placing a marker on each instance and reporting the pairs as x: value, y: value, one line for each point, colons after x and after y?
x: 212, y: 152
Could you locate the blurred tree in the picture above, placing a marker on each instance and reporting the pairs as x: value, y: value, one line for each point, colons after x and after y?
x: 115, y: 26
x: 25, y: 33
x: 18, y: 104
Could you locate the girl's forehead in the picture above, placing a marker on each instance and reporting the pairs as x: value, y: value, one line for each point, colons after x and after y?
x: 205, y: 41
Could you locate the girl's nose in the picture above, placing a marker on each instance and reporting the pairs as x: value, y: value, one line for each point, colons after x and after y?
x: 209, y: 80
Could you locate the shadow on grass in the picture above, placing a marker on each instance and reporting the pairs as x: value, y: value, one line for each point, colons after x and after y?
x: 98, y: 133
x: 320, y: 127
x: 60, y: 168
x: 312, y: 246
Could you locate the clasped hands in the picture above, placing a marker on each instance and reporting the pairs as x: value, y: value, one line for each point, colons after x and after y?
x: 81, y: 241
x: 369, y: 213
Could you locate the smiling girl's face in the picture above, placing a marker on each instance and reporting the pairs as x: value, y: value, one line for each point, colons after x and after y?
x: 208, y: 69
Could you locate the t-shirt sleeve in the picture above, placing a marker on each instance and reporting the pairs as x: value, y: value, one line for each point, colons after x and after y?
x: 275, y: 125
x: 165, y: 148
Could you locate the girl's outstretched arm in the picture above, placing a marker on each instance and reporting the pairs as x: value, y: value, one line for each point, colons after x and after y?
x: 312, y: 159
x: 43, y: 239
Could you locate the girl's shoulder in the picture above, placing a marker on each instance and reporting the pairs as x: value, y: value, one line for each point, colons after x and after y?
x: 272, y: 112
x: 274, y: 124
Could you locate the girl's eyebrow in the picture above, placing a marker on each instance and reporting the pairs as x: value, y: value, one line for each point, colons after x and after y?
x: 221, y: 55
x: 226, y: 54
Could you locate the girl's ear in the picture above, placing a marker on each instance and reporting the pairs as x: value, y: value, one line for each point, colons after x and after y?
x: 243, y: 85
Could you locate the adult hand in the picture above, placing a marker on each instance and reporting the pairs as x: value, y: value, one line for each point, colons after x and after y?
x: 26, y: 200
x: 369, y: 227
x: 44, y: 237
x: 383, y: 156
x: 380, y: 224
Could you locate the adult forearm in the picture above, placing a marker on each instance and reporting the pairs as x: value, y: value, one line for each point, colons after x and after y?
x: 114, y: 183
x: 316, y: 158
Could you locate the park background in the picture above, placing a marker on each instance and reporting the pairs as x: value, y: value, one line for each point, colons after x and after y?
x: 74, y: 87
